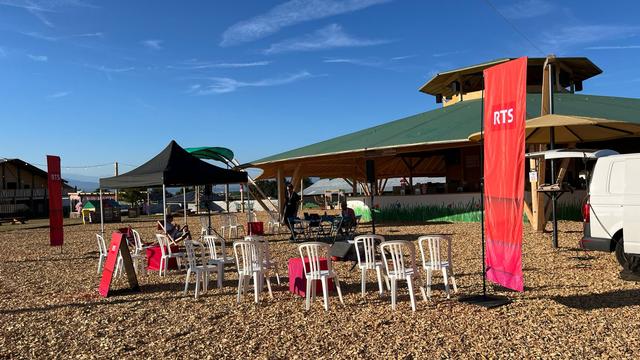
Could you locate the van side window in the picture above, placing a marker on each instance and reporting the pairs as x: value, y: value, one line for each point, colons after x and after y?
x: 616, y: 178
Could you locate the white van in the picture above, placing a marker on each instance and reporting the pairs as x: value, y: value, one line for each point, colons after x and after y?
x: 612, y: 211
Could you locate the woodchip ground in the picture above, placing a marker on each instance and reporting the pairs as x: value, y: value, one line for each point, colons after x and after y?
x: 574, y: 306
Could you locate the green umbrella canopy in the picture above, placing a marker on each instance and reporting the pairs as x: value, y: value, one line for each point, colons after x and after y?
x: 211, y: 153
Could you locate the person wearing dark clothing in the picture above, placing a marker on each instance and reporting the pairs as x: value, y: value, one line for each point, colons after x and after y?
x: 292, y: 201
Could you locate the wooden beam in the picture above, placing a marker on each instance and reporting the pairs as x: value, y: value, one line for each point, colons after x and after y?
x: 281, y: 193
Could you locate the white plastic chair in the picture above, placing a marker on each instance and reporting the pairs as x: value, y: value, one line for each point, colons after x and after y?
x: 311, y: 253
x: 273, y: 223
x: 139, y: 255
x: 201, y: 271
x: 213, y: 258
x: 224, y: 220
x: 267, y: 260
x: 234, y: 226
x: 103, y: 252
x: 165, y: 250
x: 435, y: 263
x: 398, y: 268
x: 367, y: 259
x: 249, y: 263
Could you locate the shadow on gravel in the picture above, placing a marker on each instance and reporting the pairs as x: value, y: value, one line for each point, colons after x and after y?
x: 607, y: 300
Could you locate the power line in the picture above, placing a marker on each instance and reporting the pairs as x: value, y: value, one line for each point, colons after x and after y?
x: 514, y: 27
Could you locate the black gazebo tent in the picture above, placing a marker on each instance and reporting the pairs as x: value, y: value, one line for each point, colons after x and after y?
x: 172, y: 167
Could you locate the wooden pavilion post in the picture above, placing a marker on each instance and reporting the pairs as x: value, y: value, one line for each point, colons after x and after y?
x: 281, y: 194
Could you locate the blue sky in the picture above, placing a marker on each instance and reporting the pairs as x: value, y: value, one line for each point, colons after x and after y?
x: 96, y: 82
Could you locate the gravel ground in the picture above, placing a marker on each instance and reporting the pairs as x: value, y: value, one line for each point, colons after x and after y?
x: 574, y: 305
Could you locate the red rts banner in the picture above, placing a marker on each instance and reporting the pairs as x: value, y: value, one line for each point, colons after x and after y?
x: 505, y: 102
x: 56, y: 234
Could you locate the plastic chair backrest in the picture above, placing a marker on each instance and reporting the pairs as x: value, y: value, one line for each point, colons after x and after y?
x: 311, y: 253
x: 252, y: 217
x: 394, y: 257
x: 211, y: 245
x: 247, y: 257
x: 162, y: 242
x: 434, y: 243
x: 137, y: 240
x: 368, y: 243
x: 191, y: 255
x: 262, y: 245
x: 204, y: 221
x: 233, y: 220
x: 102, y: 246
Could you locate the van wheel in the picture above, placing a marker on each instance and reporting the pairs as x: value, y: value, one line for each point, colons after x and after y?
x: 627, y: 261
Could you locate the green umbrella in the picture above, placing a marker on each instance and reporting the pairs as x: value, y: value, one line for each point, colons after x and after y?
x: 212, y: 153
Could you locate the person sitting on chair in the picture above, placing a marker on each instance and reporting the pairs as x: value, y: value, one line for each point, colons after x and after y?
x: 348, y: 218
x: 174, y: 230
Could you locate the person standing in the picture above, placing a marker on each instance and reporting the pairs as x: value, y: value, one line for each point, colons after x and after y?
x: 292, y: 201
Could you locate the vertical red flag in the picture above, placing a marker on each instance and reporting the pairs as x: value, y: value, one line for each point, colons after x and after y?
x: 56, y: 234
x: 505, y: 112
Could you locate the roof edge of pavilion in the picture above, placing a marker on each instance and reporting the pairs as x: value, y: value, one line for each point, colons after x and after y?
x: 443, y: 142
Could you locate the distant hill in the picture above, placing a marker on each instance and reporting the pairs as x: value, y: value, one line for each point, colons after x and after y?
x: 83, y: 182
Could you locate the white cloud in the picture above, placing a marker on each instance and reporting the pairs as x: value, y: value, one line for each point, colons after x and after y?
x: 153, y: 44
x: 449, y: 53
x: 360, y: 62
x: 40, y: 36
x: 58, y: 95
x: 527, y: 9
x: 198, y: 65
x: 221, y: 85
x: 571, y: 36
x: 39, y: 58
x: 615, y: 47
x: 405, y: 57
x: 331, y: 36
x: 41, y: 9
x: 290, y: 13
x: 108, y: 71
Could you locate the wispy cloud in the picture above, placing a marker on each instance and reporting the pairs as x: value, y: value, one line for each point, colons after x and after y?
x: 359, y: 62
x: 153, y: 44
x: 290, y: 13
x: 404, y: 57
x: 195, y: 64
x: 449, y: 53
x: 614, y: 47
x: 221, y: 85
x: 58, y: 94
x: 329, y: 37
x: 40, y: 36
x: 571, y: 36
x: 396, y: 63
x: 41, y: 9
x: 109, y: 71
x: 526, y: 9
x: 39, y: 58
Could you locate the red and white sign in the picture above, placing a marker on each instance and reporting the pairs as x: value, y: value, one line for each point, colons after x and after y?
x: 56, y: 232
x: 117, y: 246
x: 505, y: 112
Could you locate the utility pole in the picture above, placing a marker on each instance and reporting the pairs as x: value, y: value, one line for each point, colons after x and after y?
x: 115, y: 166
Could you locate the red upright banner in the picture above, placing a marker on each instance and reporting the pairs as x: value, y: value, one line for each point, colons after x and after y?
x: 504, y: 139
x: 56, y: 233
